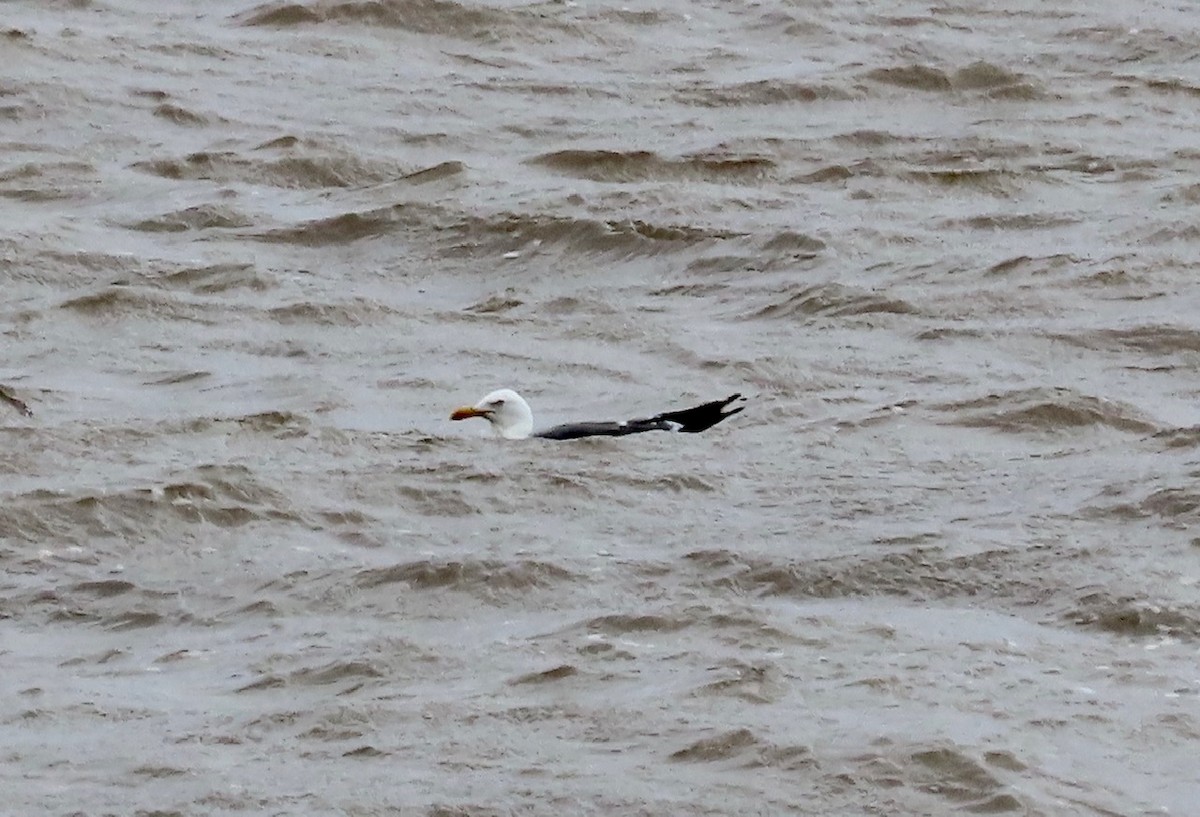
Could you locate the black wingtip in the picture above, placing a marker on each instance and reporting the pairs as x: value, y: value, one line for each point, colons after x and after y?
x: 702, y: 417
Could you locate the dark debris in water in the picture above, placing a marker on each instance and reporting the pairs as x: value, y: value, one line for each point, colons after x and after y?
x: 11, y: 399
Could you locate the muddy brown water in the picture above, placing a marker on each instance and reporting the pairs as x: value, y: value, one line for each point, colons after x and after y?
x: 252, y: 256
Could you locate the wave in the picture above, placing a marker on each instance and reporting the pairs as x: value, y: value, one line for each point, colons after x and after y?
x: 745, y: 749
x: 793, y: 243
x: 1012, y: 221
x: 719, y: 747
x: 981, y: 77
x: 354, y: 226
x: 759, y: 92
x: 1019, y: 578
x: 49, y: 181
x: 427, y: 17
x: 200, y: 217
x: 624, y: 238
x: 643, y: 165
x: 504, y: 234
x: 911, y: 574
x: 1047, y: 410
x: 223, y: 496
x: 1172, y: 503
x: 833, y: 173
x: 619, y: 624
x: 482, y: 578
x: 114, y: 604
x: 216, y: 278
x: 352, y: 674
x: 1161, y: 340
x: 830, y: 300
x: 759, y: 683
x: 305, y: 167
x: 180, y: 115
x: 676, y: 483
x: 1132, y: 618
x: 120, y: 302
x: 919, y: 573
x: 1179, y: 437
x: 964, y: 779
x: 354, y: 312
x: 915, y: 77
x: 1027, y: 265
x: 105, y: 588
x: 1000, y: 182
x: 543, y: 676
x: 162, y: 293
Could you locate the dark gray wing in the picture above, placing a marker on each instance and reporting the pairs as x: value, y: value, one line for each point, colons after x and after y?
x: 691, y: 421
x: 573, y: 431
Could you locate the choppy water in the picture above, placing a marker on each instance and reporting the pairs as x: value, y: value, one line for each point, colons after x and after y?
x: 252, y: 256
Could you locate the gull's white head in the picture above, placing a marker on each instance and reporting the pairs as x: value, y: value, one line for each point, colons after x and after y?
x: 506, y: 410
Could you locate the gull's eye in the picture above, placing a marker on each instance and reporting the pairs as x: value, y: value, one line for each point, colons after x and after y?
x: 497, y: 403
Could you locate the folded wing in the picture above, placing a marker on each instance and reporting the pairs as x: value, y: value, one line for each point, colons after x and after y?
x: 691, y: 421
